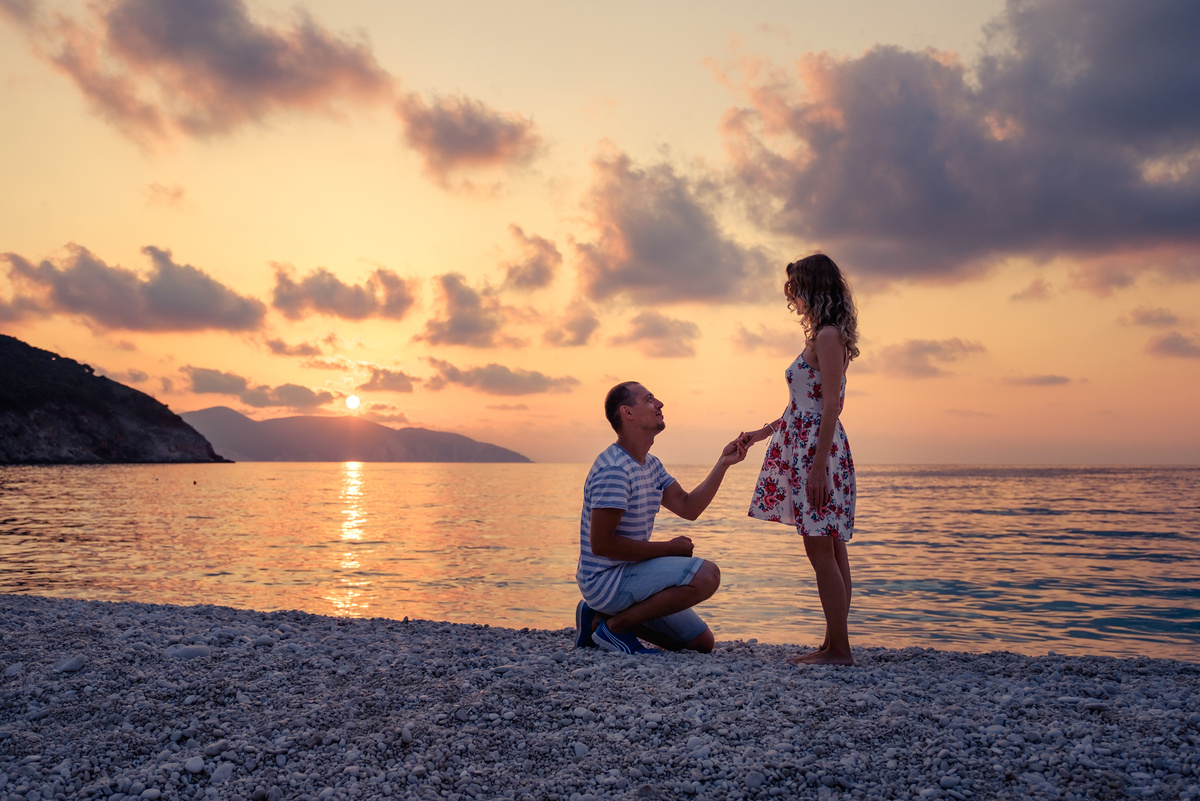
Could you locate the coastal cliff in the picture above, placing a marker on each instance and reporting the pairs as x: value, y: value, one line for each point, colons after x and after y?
x: 54, y: 410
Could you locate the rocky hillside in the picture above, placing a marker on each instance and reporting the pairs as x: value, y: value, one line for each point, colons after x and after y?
x: 336, y: 439
x: 54, y: 410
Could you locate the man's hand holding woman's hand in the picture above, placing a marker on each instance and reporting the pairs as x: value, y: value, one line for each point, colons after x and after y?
x: 735, y: 451
x: 748, y: 438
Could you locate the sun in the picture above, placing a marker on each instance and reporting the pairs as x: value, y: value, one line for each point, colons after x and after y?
x: 352, y: 402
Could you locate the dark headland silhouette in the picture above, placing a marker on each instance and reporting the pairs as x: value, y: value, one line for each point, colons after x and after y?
x: 336, y: 439
x: 54, y: 410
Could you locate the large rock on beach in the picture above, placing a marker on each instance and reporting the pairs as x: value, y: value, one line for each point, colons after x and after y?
x: 427, y: 710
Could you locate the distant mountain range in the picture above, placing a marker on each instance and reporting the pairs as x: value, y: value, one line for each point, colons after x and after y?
x: 54, y: 410
x: 335, y: 439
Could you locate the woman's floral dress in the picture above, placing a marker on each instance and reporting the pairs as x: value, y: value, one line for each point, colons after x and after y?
x: 779, y: 496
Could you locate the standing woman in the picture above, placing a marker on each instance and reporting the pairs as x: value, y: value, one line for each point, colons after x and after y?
x: 807, y: 477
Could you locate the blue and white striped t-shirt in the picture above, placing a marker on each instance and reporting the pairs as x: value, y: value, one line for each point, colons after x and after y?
x: 617, y: 481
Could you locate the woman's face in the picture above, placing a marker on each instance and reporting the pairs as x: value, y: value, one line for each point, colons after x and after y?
x: 796, y: 303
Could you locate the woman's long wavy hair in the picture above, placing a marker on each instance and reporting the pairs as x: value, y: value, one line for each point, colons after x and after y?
x: 818, y: 292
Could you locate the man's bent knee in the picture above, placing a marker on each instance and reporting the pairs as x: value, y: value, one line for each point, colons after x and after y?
x: 707, y: 578
x: 704, y: 643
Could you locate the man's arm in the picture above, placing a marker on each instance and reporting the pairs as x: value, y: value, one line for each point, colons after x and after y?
x: 608, y: 543
x: 689, y: 505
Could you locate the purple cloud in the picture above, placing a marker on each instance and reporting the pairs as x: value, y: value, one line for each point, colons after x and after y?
x: 659, y: 241
x: 292, y: 396
x: 1039, y: 381
x: 385, y: 380
x: 659, y: 336
x: 281, y: 348
x: 1038, y: 289
x: 540, y: 259
x: 575, y: 327
x: 1075, y: 133
x: 1175, y: 344
x: 1154, y: 318
x: 456, y: 134
x: 155, y: 67
x: 921, y: 358
x: 173, y: 297
x: 473, y: 317
x: 496, y: 379
x: 384, y: 294
x: 776, y: 341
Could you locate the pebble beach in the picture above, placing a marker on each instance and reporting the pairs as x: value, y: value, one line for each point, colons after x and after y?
x: 128, y: 700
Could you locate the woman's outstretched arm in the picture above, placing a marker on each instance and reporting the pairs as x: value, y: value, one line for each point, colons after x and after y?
x: 760, y: 434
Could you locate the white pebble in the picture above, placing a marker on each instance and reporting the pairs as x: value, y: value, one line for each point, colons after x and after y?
x: 71, y: 664
x: 189, y: 651
x: 216, y: 748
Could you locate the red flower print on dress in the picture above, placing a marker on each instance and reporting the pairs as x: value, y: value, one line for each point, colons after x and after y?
x: 770, y: 493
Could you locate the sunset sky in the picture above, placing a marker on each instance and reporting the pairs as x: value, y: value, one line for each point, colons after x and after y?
x: 479, y: 216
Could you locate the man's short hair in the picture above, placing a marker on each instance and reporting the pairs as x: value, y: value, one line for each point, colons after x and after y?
x: 618, y: 396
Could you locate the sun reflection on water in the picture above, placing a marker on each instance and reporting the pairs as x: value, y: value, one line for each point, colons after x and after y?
x: 347, y: 598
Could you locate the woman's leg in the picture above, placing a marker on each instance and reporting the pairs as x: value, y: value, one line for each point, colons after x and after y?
x: 832, y: 567
x: 843, y: 561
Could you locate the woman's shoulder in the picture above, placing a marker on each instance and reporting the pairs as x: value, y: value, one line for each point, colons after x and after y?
x: 828, y: 333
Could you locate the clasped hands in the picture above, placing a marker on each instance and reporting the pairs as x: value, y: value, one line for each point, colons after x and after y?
x: 736, y: 450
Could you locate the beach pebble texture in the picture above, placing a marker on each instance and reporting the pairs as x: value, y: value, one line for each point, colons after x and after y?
x: 137, y: 701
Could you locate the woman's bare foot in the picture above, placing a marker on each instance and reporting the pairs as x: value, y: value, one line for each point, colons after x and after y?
x: 804, y: 659
x: 828, y: 658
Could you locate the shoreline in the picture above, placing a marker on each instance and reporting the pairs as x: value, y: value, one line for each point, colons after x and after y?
x: 125, y: 700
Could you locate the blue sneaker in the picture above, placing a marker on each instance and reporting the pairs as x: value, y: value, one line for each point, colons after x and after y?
x: 583, y: 625
x: 621, y: 643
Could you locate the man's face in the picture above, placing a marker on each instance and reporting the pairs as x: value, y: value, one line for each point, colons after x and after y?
x: 646, y: 410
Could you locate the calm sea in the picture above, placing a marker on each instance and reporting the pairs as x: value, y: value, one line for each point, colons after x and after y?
x: 1028, y: 559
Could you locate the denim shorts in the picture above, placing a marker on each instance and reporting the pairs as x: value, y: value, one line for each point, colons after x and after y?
x: 640, y: 580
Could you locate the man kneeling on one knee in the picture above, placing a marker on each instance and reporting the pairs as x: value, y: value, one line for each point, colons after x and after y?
x: 634, y: 588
